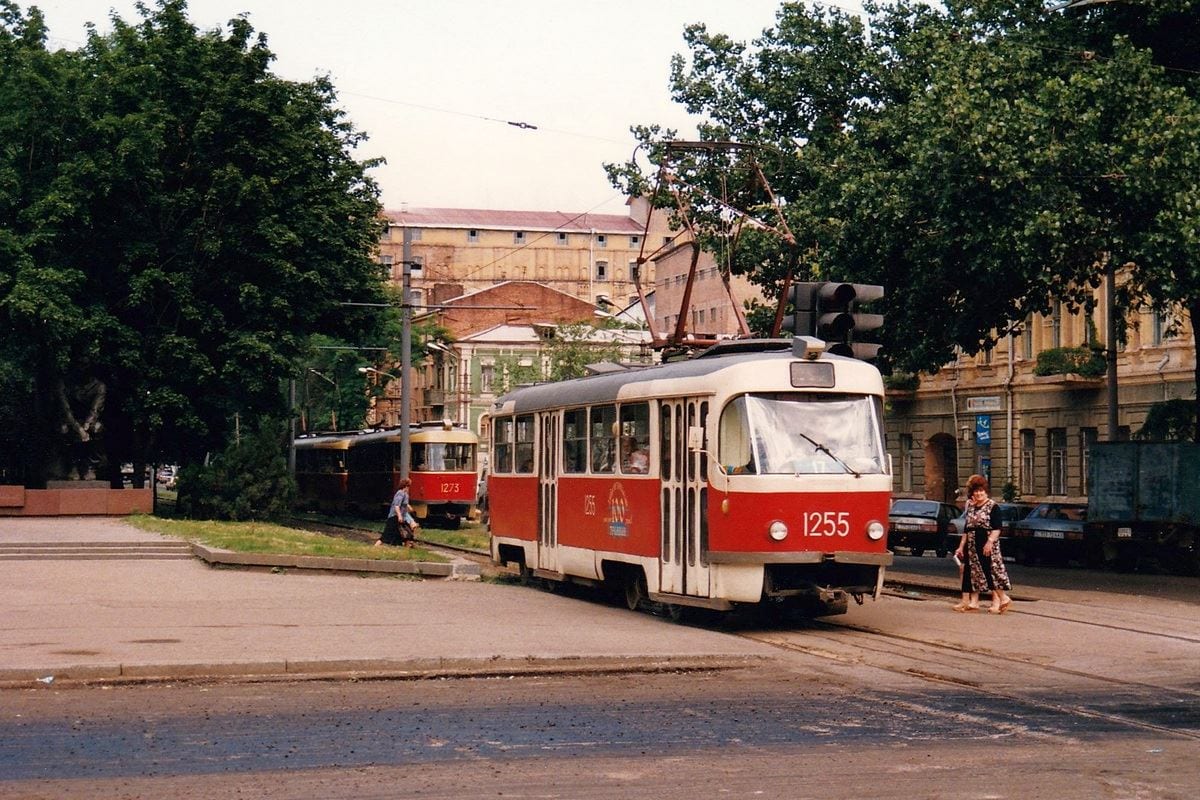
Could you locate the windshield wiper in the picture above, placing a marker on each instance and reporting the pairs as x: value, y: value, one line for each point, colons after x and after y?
x: 820, y: 448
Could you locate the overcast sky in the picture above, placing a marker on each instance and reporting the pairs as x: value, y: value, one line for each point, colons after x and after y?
x: 435, y: 82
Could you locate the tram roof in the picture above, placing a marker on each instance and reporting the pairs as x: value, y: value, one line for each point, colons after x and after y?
x: 699, y: 375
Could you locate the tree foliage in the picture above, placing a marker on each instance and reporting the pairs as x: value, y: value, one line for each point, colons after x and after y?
x: 980, y: 159
x: 175, y: 223
x: 248, y: 480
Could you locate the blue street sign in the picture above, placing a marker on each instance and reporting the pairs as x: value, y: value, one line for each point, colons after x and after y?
x: 983, y: 429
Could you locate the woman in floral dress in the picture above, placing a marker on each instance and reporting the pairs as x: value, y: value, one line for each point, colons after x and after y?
x: 979, y: 550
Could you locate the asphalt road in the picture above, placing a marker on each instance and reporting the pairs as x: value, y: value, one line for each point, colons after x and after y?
x: 1093, y: 696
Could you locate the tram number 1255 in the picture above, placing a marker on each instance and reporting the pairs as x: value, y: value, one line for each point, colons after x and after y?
x: 827, y: 523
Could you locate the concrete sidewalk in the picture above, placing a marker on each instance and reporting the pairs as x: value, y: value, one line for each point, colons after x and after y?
x: 145, y: 619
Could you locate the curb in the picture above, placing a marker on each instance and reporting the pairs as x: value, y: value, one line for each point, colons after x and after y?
x: 459, y: 568
x: 370, y: 669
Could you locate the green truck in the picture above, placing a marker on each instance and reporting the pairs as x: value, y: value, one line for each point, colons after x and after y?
x: 1144, y: 502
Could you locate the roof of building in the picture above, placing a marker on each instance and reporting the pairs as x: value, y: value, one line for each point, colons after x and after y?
x: 493, y: 219
x: 527, y: 334
x: 458, y: 300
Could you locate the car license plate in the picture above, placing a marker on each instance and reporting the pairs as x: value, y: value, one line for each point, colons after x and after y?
x: 1124, y: 533
x: 1048, y: 534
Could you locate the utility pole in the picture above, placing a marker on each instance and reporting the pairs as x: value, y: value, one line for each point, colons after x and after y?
x: 1110, y: 300
x: 405, y: 351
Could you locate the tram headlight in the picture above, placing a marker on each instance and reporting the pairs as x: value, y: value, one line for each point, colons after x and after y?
x: 777, y: 531
x: 875, y: 530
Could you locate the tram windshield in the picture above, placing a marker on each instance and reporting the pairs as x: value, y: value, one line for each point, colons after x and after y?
x: 443, y: 457
x: 801, y: 433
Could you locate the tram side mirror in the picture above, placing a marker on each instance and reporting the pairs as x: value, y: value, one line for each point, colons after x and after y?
x: 695, y: 438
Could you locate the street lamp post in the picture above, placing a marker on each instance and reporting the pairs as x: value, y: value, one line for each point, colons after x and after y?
x: 333, y: 405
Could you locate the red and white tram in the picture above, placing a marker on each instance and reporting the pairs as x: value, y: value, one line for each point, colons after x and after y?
x: 442, y: 470
x: 767, y: 479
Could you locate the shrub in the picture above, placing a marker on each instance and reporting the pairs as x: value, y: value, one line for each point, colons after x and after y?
x: 249, y: 480
x: 1066, y: 360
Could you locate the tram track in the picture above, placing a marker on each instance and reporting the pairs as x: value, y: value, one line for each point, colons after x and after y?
x: 927, y: 661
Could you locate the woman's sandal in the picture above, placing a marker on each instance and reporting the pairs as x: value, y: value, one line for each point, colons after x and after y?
x: 963, y: 608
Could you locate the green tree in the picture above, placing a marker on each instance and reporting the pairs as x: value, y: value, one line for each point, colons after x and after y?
x: 981, y: 160
x: 178, y: 222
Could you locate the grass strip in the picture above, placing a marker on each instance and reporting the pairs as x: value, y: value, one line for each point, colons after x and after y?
x: 266, y: 537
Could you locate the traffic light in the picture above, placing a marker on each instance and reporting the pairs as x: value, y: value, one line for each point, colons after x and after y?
x: 840, y: 322
x: 803, y: 319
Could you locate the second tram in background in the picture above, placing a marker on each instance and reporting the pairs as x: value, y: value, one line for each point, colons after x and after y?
x: 753, y: 473
x: 360, y: 471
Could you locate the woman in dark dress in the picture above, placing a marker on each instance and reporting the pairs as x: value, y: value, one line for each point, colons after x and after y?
x: 979, y: 550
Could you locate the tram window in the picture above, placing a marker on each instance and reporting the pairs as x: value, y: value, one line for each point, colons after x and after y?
x: 734, y: 438
x: 704, y: 455
x: 502, y: 444
x: 524, y: 449
x: 803, y: 434
x: 691, y: 423
x: 603, y: 438
x: 575, y: 440
x: 664, y: 440
x: 635, y: 438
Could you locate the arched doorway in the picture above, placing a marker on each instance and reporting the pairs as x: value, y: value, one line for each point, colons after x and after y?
x: 941, y: 468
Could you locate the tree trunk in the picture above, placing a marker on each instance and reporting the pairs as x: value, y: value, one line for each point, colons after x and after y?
x: 1194, y: 313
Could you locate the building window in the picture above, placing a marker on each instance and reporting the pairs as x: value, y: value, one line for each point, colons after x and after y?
x: 415, y: 234
x: 387, y: 260
x: 634, y: 271
x: 1027, y: 340
x: 1056, y: 326
x: 518, y: 237
x: 416, y: 298
x: 417, y: 266
x: 987, y: 355
x: 635, y: 240
x: 1028, y: 440
x: 906, y: 462
x: 472, y: 236
x: 1058, y: 461
x: 601, y: 240
x: 667, y: 240
x: 601, y: 270
x: 487, y: 376
x: 386, y: 234
x: 1087, y: 438
x: 563, y: 240
x: 1161, y: 330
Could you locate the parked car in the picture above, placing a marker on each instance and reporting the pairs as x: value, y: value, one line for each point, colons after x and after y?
x: 1009, y: 513
x: 167, y: 476
x: 921, y: 525
x: 1051, y: 532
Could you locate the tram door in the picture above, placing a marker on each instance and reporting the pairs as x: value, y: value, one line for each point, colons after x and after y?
x: 683, y: 564
x: 548, y: 493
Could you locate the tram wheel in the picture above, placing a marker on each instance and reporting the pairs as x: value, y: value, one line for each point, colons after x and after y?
x: 917, y: 551
x: 635, y: 590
